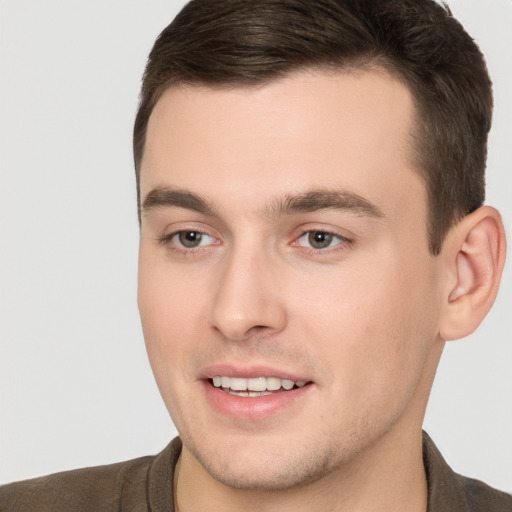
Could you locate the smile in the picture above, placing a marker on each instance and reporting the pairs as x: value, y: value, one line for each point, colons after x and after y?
x: 254, y: 394
x: 254, y: 386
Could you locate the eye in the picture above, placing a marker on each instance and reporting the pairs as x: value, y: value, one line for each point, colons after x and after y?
x: 319, y: 240
x: 191, y: 239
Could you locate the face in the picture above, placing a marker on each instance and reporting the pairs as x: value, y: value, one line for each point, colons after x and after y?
x: 287, y: 294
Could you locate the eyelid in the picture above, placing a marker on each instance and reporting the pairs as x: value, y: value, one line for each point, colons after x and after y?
x: 332, y: 235
x: 345, y: 240
x: 168, y: 239
x: 202, y: 235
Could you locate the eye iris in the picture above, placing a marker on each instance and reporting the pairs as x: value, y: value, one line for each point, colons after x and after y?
x: 190, y: 238
x: 319, y: 239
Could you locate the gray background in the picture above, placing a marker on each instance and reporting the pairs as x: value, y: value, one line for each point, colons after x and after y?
x: 75, y: 386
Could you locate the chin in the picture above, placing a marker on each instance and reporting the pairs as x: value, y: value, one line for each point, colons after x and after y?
x: 281, y: 477
x: 270, y: 469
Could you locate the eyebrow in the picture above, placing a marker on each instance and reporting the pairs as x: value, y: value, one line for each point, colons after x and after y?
x: 168, y: 198
x: 325, y: 200
x: 311, y: 201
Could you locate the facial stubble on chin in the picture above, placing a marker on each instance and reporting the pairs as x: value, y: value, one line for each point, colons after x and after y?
x: 305, y: 464
x: 295, y: 473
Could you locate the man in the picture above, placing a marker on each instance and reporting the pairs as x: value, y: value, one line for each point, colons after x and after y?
x: 310, y: 179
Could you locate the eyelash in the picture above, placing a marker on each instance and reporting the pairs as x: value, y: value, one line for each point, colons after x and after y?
x: 342, y: 245
x: 167, y: 241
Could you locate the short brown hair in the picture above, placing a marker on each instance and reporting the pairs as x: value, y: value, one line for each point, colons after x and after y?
x: 237, y: 43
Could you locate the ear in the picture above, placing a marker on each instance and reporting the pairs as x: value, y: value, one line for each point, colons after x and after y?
x: 474, y: 253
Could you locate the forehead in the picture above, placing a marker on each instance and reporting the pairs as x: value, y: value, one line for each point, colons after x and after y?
x: 312, y: 129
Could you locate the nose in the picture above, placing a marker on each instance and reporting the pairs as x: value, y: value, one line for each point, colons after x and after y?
x: 249, y: 301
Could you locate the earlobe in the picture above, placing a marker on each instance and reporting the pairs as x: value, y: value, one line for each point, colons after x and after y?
x: 475, y: 253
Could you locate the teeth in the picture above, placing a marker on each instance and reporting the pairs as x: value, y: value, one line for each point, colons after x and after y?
x: 287, y: 384
x: 273, y: 383
x: 248, y: 393
x: 257, y: 384
x: 254, y: 386
x: 239, y: 384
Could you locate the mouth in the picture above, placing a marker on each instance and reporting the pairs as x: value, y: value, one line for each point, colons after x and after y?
x: 254, y: 386
x: 255, y: 393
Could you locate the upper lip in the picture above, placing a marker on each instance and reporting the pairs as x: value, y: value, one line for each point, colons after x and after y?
x: 246, y: 372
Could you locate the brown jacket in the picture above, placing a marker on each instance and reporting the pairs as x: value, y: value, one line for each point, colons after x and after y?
x: 146, y: 485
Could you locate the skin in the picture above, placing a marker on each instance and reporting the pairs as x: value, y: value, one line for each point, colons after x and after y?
x: 361, y: 318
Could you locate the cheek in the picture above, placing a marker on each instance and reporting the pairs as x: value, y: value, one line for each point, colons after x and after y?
x: 168, y: 298
x: 372, y: 327
x: 169, y: 310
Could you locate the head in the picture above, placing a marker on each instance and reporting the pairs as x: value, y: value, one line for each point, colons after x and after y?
x: 310, y: 178
x: 246, y: 44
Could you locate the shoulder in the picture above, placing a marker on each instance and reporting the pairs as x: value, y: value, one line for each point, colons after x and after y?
x: 481, y: 496
x: 139, y: 484
x: 96, y: 488
x: 451, y: 492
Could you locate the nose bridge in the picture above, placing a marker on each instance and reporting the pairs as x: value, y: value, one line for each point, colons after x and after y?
x: 247, y: 298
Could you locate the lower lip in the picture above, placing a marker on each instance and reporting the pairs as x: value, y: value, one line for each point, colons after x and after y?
x: 253, y: 408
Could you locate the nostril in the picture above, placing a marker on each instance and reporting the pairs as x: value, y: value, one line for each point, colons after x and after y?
x: 258, y: 328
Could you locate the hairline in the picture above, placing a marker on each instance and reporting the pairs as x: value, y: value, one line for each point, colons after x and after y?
x: 376, y: 63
